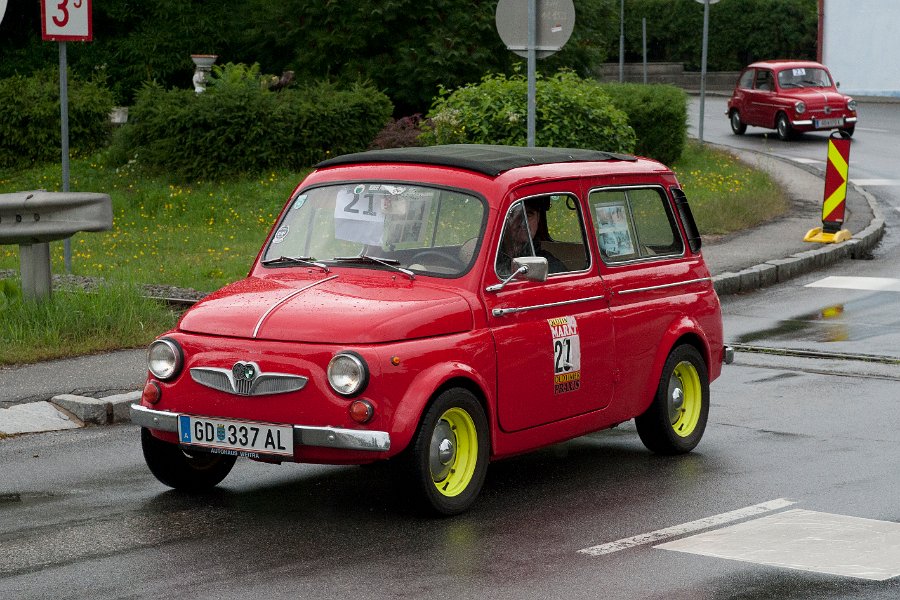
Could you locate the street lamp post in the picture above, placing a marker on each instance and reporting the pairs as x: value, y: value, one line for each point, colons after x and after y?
x: 706, y: 4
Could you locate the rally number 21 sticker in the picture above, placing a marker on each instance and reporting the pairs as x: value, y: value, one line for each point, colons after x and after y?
x: 566, y: 354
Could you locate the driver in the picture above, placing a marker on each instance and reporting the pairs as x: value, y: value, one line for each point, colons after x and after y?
x: 519, y: 241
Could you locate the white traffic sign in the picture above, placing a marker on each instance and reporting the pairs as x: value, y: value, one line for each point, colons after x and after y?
x: 2, y: 9
x: 66, y: 20
x: 555, y: 22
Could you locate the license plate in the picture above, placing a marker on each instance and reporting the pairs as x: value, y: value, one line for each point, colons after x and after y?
x: 238, y: 438
x: 820, y: 123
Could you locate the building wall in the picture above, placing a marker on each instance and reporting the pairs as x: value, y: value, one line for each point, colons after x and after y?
x: 859, y: 41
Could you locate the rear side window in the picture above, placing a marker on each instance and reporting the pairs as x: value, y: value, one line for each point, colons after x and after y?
x: 746, y: 80
x: 634, y: 223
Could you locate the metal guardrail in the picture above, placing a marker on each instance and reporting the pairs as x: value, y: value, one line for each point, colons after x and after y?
x: 34, y: 219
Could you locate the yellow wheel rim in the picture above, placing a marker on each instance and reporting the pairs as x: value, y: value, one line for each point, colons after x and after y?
x: 454, y: 452
x: 685, y: 397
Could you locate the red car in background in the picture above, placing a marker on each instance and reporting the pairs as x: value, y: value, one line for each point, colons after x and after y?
x: 790, y: 96
x: 437, y: 308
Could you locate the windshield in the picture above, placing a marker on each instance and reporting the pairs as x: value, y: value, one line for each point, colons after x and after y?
x: 804, y: 77
x: 377, y: 225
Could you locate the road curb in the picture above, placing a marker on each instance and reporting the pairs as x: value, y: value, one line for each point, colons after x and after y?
x: 98, y: 411
x: 783, y: 269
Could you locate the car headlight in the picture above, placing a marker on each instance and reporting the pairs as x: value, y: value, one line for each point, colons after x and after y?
x: 165, y: 358
x: 800, y: 108
x: 348, y: 374
x: 851, y: 104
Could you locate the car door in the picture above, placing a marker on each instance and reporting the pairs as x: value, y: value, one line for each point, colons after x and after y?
x: 651, y: 278
x: 554, y: 339
x: 761, y: 106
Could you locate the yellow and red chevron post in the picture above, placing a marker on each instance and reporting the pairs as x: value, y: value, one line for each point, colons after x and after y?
x: 836, y: 177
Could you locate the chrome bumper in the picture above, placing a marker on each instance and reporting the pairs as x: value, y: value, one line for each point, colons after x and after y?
x: 326, y: 437
x: 728, y: 355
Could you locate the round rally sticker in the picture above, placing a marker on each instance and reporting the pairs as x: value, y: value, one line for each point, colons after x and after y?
x: 281, y: 234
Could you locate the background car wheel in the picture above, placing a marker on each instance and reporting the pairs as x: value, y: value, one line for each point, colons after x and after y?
x: 849, y: 130
x: 177, y: 469
x: 737, y: 126
x: 676, y: 419
x: 783, y: 126
x: 448, y: 457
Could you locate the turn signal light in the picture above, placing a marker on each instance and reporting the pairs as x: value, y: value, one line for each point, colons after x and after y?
x: 361, y: 411
x: 152, y: 393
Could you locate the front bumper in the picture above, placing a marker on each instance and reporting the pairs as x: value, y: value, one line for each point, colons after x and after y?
x: 324, y: 437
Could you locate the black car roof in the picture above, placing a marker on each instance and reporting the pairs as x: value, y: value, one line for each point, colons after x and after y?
x: 481, y: 158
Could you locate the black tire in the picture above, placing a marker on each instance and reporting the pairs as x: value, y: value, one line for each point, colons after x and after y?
x: 676, y: 420
x: 849, y: 130
x: 176, y: 468
x: 448, y: 457
x: 783, y: 127
x: 737, y: 126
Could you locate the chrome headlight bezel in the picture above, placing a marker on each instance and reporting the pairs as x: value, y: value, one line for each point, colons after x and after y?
x: 851, y: 104
x: 165, y: 359
x: 348, y: 374
x: 800, y: 107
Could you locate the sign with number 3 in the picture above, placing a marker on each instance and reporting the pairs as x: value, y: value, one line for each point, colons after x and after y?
x: 66, y: 20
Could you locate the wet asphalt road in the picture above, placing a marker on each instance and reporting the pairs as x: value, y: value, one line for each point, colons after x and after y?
x: 81, y: 517
x: 80, y: 513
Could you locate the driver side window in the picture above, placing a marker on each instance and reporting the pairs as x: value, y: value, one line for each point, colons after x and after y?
x: 550, y: 226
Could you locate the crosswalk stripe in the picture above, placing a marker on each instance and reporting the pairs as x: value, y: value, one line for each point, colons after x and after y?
x: 870, y: 284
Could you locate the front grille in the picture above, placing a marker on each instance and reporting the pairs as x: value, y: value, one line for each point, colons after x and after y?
x: 263, y: 384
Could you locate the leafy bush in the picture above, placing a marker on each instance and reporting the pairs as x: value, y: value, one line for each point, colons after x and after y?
x: 30, y: 118
x: 570, y: 112
x: 658, y: 114
x: 399, y: 133
x: 239, y: 126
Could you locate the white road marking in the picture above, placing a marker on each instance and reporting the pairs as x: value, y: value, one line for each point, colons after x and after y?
x: 869, y: 284
x: 676, y: 530
x: 805, y: 540
x: 876, y: 182
x: 805, y: 161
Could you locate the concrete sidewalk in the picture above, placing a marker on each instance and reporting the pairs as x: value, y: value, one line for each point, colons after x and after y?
x: 96, y: 390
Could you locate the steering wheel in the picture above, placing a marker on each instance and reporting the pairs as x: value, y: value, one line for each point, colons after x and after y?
x: 442, y: 259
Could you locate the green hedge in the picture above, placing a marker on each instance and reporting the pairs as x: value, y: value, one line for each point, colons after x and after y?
x: 658, y: 114
x: 570, y: 112
x: 238, y: 126
x: 30, y: 118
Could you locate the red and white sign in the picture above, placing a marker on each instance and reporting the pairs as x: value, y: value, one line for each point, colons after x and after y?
x: 66, y: 21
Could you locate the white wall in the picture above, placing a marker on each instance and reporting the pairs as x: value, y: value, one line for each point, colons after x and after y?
x: 861, y: 45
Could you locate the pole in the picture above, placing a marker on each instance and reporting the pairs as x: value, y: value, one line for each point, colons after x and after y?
x: 532, y: 67
x: 703, y: 64
x: 64, y: 135
x: 644, y: 36
x: 622, y: 42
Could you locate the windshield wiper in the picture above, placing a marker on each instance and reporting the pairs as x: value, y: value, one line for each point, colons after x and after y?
x: 369, y: 260
x: 296, y: 260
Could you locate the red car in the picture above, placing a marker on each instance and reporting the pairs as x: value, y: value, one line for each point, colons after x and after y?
x: 442, y: 307
x: 790, y: 96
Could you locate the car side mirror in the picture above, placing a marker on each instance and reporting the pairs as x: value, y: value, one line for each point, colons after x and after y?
x: 530, y: 268
x: 535, y: 267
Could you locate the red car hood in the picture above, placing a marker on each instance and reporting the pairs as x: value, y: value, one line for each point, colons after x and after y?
x: 335, y: 309
x: 818, y: 97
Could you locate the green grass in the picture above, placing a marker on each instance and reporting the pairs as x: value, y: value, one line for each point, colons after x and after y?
x: 73, y: 322
x: 200, y: 236
x: 726, y: 195
x: 205, y: 235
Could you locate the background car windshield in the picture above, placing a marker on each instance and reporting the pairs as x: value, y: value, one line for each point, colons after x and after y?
x: 424, y: 229
x: 803, y: 77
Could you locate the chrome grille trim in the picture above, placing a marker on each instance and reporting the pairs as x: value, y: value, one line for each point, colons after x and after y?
x: 223, y: 380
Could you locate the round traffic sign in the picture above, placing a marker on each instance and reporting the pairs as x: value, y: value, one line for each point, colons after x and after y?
x: 555, y: 20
